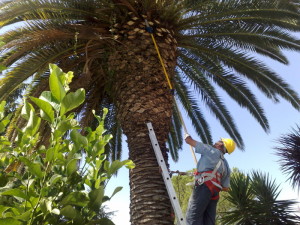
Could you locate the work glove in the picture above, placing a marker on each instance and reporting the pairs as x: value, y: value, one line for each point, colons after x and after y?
x: 186, y: 135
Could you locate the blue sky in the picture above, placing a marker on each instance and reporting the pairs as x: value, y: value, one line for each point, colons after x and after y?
x: 259, y: 153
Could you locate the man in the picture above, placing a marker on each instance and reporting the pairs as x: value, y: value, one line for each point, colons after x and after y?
x: 212, y: 176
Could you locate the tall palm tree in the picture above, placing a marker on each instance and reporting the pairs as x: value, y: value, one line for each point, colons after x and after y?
x: 205, y: 45
x: 289, y: 153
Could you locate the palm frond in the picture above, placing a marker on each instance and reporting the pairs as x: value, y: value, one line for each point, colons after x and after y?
x: 266, y: 193
x: 233, y: 86
x: 172, y: 150
x: 214, y: 103
x: 175, y: 135
x: 194, y: 112
x: 18, y: 11
x: 289, y: 153
x: 269, y: 82
x: 177, y: 126
x: 115, y: 145
x: 30, y: 64
x: 240, y: 196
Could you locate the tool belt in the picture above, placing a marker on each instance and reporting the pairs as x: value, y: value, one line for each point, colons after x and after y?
x: 211, y: 180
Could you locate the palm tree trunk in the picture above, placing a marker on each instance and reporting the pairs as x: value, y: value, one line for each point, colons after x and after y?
x: 143, y: 96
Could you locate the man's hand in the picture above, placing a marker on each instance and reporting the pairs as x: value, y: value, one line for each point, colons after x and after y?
x: 189, y: 140
x: 178, y: 172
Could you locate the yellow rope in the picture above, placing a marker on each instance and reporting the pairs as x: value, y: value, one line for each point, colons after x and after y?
x: 161, y: 61
x: 171, y: 88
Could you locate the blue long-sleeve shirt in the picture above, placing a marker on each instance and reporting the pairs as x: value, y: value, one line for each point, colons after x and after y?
x: 210, y: 156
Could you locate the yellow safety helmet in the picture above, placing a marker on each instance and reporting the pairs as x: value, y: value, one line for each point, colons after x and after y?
x: 229, y: 144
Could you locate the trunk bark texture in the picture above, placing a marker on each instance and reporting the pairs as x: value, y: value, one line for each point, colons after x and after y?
x: 142, y: 95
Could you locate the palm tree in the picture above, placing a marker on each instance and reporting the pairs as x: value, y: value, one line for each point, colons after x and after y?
x: 205, y: 44
x: 289, y: 153
x: 254, y: 201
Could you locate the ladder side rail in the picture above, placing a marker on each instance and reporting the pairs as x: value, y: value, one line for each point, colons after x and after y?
x: 166, y: 176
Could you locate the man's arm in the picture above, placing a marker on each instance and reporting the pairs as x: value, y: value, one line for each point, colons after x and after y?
x: 189, y: 140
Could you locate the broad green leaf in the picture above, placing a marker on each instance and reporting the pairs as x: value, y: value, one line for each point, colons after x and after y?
x: 72, y: 166
x: 64, y: 78
x: 4, y: 122
x: 33, y: 123
x: 3, y: 208
x: 56, y: 87
x: 2, y: 106
x: 47, y: 112
x: 76, y: 198
x: 129, y: 164
x: 55, y: 178
x: 88, y: 182
x: 98, y: 163
x: 69, y: 212
x: 72, y: 100
x: 114, y: 167
x: 50, y: 154
x: 64, y: 126
x: 106, y: 165
x: 28, y: 182
x: 34, y: 200
x: 48, y: 97
x: 25, y: 216
x: 25, y: 112
x: 98, y: 148
x: 16, y: 193
x: 98, y: 182
x: 44, y: 191
x: 46, y: 206
x: 100, y: 129
x: 9, y: 221
x: 4, y: 141
x: 96, y: 197
x: 33, y: 167
x: 78, y: 139
x: 15, y: 210
x: 117, y: 189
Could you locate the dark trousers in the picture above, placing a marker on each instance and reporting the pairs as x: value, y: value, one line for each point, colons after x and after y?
x: 201, y: 209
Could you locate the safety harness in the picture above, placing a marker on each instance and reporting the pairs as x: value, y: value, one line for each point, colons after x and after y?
x: 212, y: 179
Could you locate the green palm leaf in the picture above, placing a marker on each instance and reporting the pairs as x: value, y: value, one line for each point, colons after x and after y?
x: 289, y: 153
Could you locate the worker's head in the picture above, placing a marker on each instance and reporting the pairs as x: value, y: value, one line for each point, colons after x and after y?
x: 229, y: 145
x: 225, y: 145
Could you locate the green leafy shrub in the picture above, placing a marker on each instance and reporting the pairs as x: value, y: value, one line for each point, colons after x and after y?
x: 45, y: 184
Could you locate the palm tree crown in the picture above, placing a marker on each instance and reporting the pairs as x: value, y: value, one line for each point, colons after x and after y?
x: 205, y: 44
x: 211, y: 42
